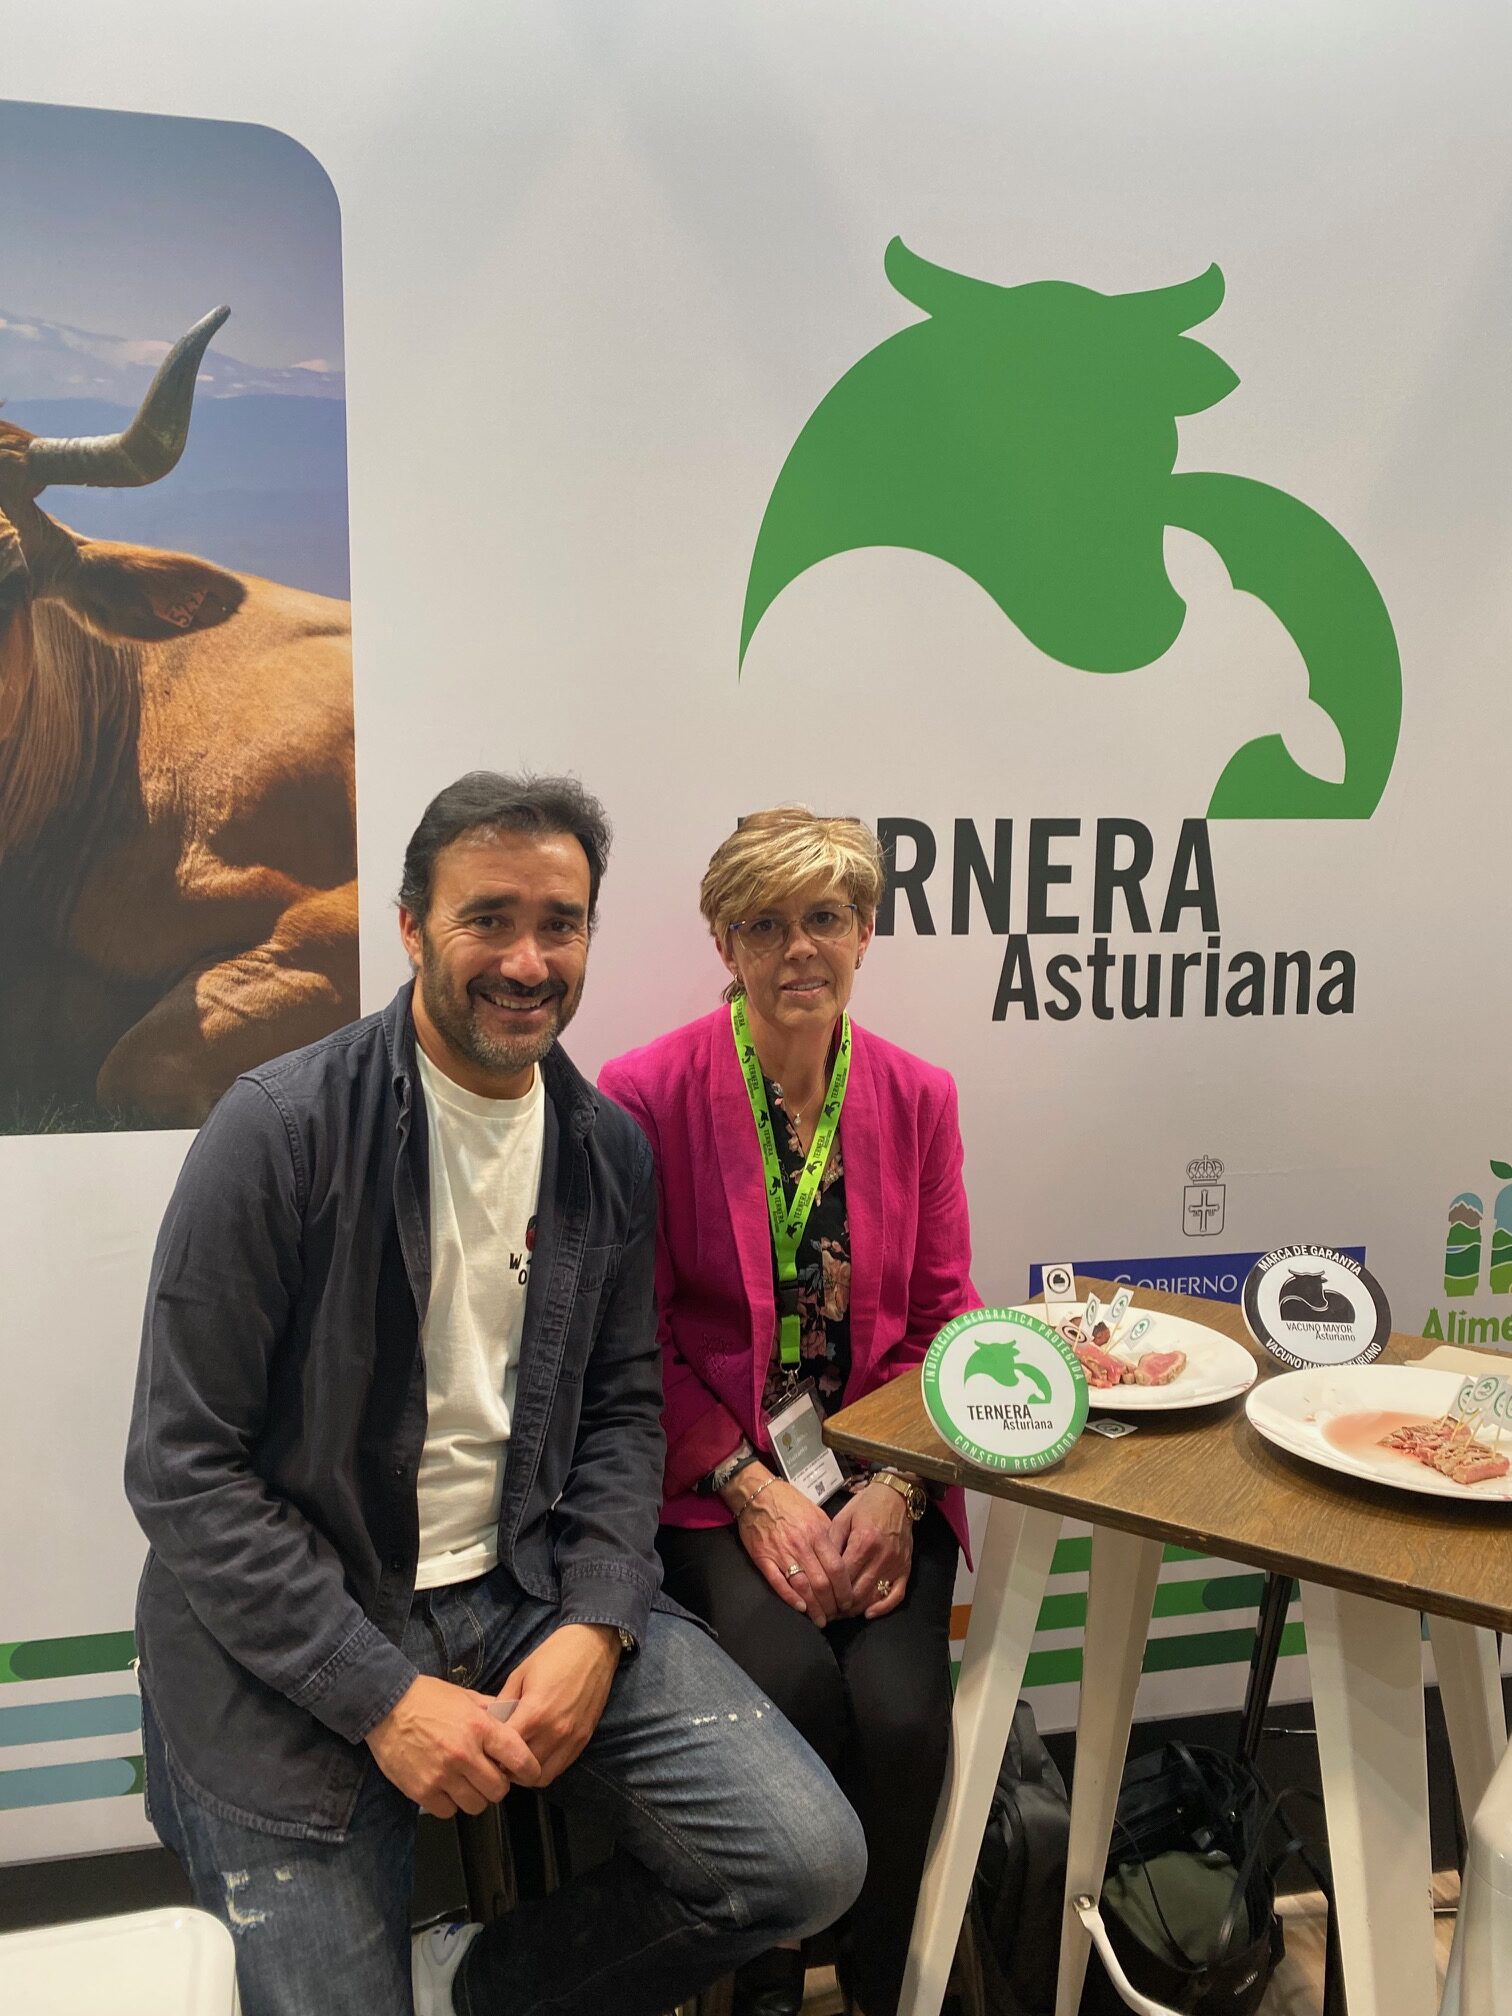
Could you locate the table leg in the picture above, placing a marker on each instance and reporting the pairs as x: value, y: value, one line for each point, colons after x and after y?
x: 1469, y: 1678
x: 1010, y: 1585
x: 1365, y: 1659
x: 1120, y: 1597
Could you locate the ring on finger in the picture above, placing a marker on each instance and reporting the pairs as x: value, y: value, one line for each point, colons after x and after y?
x: 792, y: 1569
x: 884, y: 1587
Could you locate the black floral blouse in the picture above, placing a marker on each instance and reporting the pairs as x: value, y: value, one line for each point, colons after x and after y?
x: 824, y: 1272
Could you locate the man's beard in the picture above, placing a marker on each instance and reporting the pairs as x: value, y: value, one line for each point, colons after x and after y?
x: 456, y: 1015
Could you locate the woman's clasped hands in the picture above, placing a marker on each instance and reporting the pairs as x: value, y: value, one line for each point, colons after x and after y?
x: 854, y: 1565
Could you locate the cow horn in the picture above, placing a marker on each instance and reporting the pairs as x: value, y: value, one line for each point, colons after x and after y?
x: 154, y: 441
x: 1182, y: 306
x: 926, y: 285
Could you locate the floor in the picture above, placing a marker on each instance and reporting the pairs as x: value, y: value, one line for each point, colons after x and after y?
x: 1296, y: 1988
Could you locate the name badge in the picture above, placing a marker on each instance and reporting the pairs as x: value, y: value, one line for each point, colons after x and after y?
x: 797, y: 1432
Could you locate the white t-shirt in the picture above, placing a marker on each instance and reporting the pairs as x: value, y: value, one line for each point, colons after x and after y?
x: 485, y: 1176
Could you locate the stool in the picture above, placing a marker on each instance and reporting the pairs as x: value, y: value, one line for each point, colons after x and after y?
x: 513, y: 1850
x: 172, y: 1962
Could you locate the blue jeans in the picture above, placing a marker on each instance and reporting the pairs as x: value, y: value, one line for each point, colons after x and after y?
x: 730, y: 1837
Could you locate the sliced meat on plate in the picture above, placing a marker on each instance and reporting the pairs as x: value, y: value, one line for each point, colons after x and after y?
x: 1102, y: 1370
x: 1158, y: 1368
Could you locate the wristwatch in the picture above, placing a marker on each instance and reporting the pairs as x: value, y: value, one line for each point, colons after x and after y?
x: 912, y: 1492
x: 628, y: 1645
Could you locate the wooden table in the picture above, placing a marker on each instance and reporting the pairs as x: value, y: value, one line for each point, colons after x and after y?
x: 1369, y: 1560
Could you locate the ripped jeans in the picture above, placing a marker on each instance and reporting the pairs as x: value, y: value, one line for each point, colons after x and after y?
x: 730, y: 1837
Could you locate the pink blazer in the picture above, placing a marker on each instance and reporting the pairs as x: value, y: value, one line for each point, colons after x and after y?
x: 909, y: 1229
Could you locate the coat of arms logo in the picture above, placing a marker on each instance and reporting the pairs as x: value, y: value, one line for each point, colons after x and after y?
x: 1203, y: 1198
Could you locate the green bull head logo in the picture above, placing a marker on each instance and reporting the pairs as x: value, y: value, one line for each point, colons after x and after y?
x: 1028, y: 436
x: 1000, y: 1362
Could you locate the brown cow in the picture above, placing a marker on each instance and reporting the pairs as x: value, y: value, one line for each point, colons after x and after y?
x: 178, y: 896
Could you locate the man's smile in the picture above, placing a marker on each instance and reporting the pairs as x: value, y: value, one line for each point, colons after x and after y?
x: 515, y: 1007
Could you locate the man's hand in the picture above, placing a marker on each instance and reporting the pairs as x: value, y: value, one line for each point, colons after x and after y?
x: 781, y: 1530
x: 875, y: 1538
x: 443, y: 1749
x: 562, y: 1688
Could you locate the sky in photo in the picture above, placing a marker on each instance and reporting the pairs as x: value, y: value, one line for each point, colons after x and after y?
x: 134, y: 226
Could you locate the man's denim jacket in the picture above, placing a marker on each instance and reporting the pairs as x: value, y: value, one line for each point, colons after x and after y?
x: 280, y: 1413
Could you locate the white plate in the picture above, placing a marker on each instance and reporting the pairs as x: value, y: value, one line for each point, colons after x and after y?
x: 1216, y: 1369
x: 1291, y: 1411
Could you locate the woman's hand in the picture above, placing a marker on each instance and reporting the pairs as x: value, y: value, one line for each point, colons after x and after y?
x: 781, y: 1529
x: 875, y: 1537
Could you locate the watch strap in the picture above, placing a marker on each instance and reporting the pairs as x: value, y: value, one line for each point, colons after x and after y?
x: 912, y: 1493
x: 730, y: 1467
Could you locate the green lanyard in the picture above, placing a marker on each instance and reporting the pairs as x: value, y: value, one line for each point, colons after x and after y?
x: 788, y: 1221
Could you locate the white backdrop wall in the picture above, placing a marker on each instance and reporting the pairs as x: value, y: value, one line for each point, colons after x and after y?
x: 600, y: 267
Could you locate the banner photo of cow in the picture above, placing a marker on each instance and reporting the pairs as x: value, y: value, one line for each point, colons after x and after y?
x: 178, y: 894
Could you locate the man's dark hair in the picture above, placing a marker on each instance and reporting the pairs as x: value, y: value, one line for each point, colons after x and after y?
x: 485, y: 801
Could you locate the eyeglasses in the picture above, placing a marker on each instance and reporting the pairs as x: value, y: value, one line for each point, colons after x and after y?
x: 825, y: 923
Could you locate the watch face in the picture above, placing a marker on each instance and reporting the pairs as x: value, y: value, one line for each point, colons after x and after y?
x: 913, y: 1495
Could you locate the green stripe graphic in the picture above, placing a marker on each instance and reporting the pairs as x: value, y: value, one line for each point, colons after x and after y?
x: 1074, y: 1557
x: 1164, y: 1655
x: 1172, y: 1599
x: 65, y: 1658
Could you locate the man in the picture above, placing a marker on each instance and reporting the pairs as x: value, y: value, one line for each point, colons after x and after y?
x: 396, y: 1446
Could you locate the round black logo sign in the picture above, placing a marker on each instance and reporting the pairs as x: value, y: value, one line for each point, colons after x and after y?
x: 1311, y: 1305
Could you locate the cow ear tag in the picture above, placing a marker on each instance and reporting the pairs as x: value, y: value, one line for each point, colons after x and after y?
x: 1312, y: 1305
x: 181, y: 610
x: 1004, y: 1390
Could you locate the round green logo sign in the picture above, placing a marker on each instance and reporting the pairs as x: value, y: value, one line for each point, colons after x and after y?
x: 1004, y: 1390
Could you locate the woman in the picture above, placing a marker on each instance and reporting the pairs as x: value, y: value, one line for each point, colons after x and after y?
x: 835, y: 1596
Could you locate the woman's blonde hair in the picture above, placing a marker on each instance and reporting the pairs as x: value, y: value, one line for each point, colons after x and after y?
x: 772, y: 854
